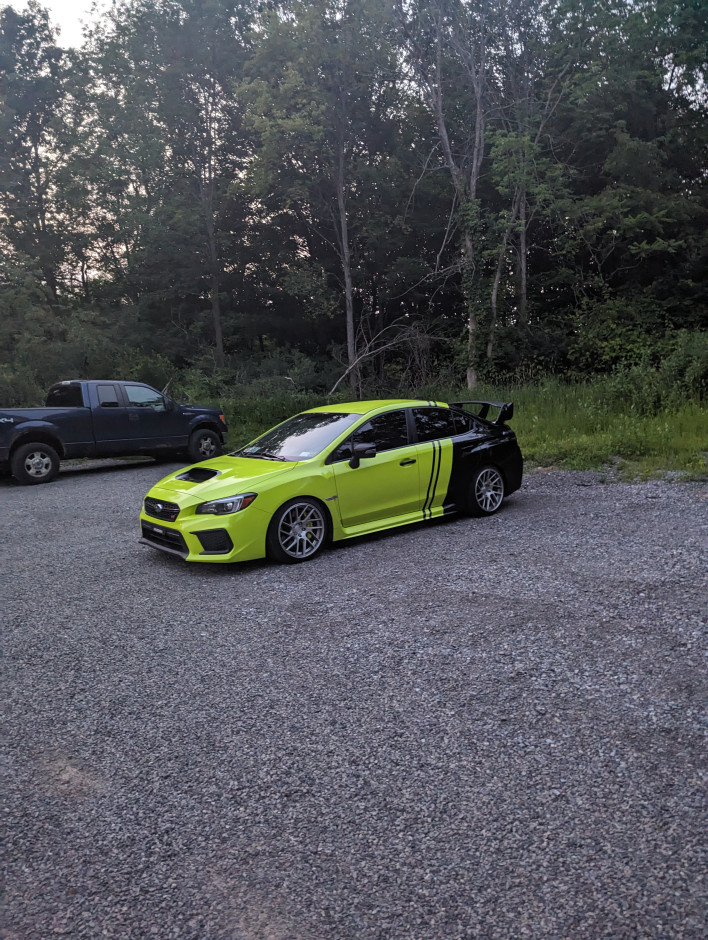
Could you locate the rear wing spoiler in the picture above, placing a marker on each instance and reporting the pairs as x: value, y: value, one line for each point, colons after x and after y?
x: 506, y: 409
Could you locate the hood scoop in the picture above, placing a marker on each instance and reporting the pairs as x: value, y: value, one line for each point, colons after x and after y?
x: 198, y: 475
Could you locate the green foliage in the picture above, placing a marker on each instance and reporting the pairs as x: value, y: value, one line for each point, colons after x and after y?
x: 204, y: 191
x: 614, y: 332
x: 597, y: 425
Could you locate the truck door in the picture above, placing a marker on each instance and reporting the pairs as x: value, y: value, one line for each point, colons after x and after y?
x: 110, y: 419
x: 153, y: 419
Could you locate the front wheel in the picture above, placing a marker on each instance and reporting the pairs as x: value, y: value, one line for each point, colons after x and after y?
x: 34, y: 463
x: 203, y: 444
x: 297, y: 531
x: 486, y: 492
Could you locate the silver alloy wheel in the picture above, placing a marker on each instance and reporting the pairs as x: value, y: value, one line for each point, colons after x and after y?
x: 489, y: 490
x: 38, y: 464
x: 203, y: 445
x: 301, y: 530
x: 207, y: 447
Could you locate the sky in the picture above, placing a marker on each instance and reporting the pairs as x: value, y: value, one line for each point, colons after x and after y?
x: 67, y: 14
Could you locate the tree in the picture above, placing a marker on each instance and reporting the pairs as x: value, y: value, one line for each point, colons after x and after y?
x: 32, y: 90
x: 323, y: 102
x: 161, y: 147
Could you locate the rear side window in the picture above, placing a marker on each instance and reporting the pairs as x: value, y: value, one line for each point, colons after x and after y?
x: 433, y: 423
x: 107, y: 396
x: 464, y: 421
x: 65, y: 396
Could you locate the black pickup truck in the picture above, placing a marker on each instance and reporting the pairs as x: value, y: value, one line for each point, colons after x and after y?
x: 104, y: 419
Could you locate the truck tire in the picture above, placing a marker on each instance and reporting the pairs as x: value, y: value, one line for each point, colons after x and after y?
x: 203, y: 445
x: 34, y: 463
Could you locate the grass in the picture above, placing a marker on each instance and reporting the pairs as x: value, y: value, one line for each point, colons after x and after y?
x: 585, y: 426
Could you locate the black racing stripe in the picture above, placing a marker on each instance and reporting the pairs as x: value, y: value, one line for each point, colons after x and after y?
x: 431, y: 489
x: 437, y: 477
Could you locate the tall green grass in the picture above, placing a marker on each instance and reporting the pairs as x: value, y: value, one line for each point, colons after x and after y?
x: 583, y: 426
x: 577, y: 428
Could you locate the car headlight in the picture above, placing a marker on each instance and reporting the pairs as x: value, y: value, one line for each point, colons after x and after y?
x: 227, y: 505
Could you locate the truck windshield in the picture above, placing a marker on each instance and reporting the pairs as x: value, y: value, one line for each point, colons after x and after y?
x: 299, y: 438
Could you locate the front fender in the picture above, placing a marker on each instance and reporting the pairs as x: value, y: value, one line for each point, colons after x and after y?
x: 207, y: 421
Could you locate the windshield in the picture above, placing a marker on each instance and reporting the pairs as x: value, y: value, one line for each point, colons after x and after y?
x: 299, y: 438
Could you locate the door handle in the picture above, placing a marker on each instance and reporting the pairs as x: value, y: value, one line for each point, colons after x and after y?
x: 407, y: 462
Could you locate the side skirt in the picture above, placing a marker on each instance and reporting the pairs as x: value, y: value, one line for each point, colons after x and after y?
x: 381, y: 525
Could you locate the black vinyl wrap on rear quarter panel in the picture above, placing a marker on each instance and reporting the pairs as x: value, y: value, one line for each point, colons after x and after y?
x: 470, y: 453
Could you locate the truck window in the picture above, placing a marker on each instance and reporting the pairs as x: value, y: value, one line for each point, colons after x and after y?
x: 142, y: 396
x: 107, y: 396
x: 65, y: 396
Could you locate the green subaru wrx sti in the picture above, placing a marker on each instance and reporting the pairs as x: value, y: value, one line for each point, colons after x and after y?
x: 333, y: 473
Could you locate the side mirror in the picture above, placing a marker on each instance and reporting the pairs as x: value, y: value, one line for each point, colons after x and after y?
x: 359, y: 451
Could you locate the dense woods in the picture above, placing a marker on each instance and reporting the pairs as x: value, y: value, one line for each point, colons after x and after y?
x: 370, y: 195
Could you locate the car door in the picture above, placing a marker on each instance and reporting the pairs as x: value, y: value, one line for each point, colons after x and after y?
x: 434, y: 428
x: 386, y: 486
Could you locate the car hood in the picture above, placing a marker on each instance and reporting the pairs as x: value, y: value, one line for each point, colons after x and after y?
x: 222, y: 476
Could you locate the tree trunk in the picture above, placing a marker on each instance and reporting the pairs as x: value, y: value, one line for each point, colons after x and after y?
x: 523, y: 261
x: 214, y: 285
x: 354, y: 375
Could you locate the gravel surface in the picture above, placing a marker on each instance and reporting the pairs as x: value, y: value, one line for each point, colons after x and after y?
x: 477, y: 728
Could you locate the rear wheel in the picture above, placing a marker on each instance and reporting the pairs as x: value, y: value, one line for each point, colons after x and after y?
x: 297, y: 532
x: 203, y: 444
x: 486, y: 492
x: 34, y: 463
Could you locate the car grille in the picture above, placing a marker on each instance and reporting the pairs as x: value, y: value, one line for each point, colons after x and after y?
x: 161, y: 510
x: 215, y: 541
x: 168, y: 539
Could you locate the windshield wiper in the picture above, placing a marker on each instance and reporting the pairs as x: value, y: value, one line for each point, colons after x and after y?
x: 262, y: 455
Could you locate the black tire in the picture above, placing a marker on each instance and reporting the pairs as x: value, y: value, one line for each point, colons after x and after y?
x: 486, y: 492
x: 298, y: 531
x: 34, y: 463
x: 203, y: 445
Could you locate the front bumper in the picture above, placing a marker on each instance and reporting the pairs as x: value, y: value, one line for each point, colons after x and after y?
x: 216, y: 539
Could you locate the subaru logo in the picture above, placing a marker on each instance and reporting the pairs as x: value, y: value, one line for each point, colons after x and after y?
x: 159, y: 507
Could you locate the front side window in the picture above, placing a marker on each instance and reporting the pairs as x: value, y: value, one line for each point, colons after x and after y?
x: 142, y: 396
x: 385, y: 432
x: 299, y: 438
x: 433, y: 423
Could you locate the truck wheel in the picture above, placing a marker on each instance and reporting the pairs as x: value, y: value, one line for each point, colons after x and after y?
x: 34, y: 463
x: 203, y: 444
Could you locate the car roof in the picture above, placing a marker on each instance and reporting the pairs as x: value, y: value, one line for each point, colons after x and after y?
x: 364, y: 407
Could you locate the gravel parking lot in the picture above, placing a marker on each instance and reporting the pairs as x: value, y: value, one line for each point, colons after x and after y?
x: 478, y: 728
